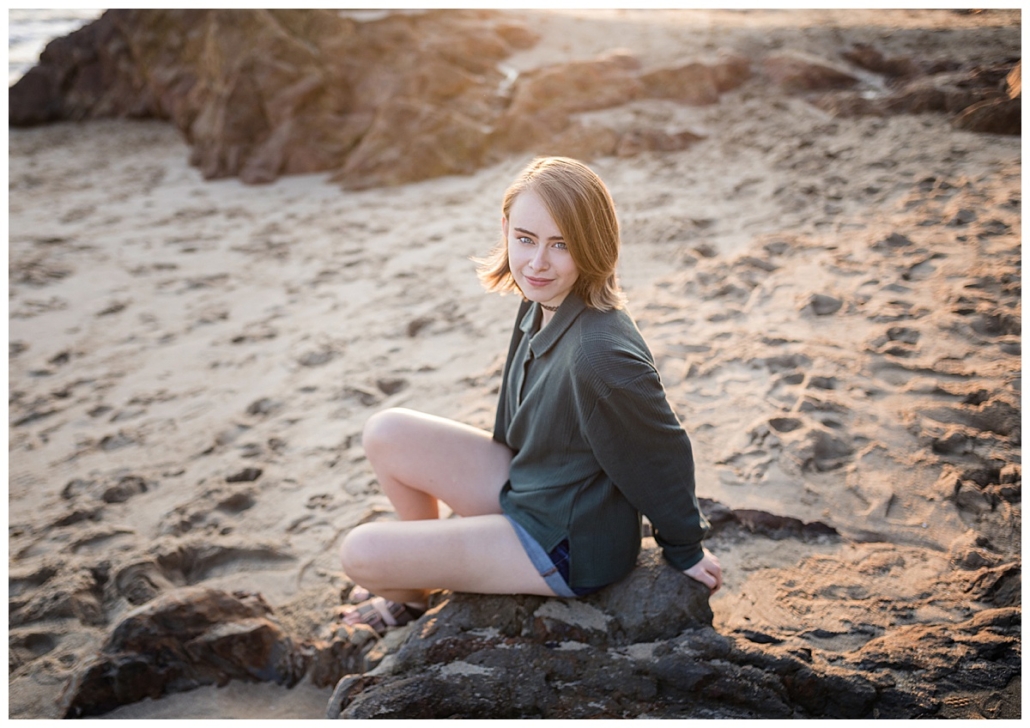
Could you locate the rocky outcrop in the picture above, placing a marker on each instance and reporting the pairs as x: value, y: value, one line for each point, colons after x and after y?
x: 524, y: 657
x: 644, y: 647
x: 401, y: 98
x: 980, y: 98
x: 200, y: 636
x: 410, y: 96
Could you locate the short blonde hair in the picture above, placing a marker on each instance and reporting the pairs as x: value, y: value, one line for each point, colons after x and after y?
x: 582, y: 208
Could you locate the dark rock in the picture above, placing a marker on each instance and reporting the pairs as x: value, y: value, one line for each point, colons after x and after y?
x: 237, y: 502
x: 263, y: 406
x: 416, y: 325
x: 125, y: 488
x: 391, y: 385
x: 115, y: 441
x: 448, y: 671
x: 247, y: 475
x: 894, y: 241
x: 984, y: 99
x: 194, y: 637
x: 780, y: 527
x: 992, y: 116
x: 785, y: 424
x: 962, y: 217
x: 179, y: 642
x: 823, y: 305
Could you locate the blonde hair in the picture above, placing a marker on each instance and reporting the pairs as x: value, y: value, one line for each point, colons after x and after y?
x: 582, y: 208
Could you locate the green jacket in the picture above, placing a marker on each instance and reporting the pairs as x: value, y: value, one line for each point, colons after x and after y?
x: 596, y: 443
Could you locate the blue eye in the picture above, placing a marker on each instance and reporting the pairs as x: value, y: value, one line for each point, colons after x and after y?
x: 524, y: 240
x: 561, y: 246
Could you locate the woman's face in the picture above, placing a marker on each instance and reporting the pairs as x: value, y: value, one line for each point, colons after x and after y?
x: 539, y: 259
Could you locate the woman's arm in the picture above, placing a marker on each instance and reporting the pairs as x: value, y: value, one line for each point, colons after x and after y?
x: 640, y: 444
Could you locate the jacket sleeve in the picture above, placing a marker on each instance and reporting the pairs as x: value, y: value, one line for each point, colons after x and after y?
x: 640, y: 444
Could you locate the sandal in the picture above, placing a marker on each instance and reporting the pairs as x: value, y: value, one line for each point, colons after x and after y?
x: 381, y: 614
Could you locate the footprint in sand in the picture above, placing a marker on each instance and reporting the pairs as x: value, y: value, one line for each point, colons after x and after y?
x: 196, y: 562
x: 104, y: 542
x: 27, y: 646
x: 31, y: 308
x: 140, y: 582
x: 76, y: 595
x: 37, y: 271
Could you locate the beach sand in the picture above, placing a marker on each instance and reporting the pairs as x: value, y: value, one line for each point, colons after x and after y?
x: 191, y: 362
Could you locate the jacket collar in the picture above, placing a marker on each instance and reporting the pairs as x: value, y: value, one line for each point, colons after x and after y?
x: 543, y: 340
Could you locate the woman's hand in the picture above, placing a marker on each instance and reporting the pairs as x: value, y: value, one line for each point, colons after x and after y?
x: 707, y: 571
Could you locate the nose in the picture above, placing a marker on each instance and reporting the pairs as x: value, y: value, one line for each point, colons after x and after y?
x: 539, y: 260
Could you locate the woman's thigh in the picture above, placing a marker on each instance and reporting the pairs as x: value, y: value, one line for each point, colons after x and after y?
x: 461, y: 465
x: 478, y: 554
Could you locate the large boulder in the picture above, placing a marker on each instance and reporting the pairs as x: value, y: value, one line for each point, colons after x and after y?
x: 400, y: 98
x: 199, y: 636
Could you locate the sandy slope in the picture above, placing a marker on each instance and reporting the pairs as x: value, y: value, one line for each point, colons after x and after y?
x: 167, y: 333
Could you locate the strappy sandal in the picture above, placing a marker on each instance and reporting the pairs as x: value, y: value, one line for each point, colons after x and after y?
x: 381, y: 614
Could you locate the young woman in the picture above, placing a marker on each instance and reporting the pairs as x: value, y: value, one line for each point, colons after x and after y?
x: 584, y: 439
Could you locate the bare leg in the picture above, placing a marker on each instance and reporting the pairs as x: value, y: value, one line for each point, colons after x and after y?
x: 402, y: 561
x: 421, y: 460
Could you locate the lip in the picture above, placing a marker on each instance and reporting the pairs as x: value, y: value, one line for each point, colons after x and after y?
x: 538, y: 282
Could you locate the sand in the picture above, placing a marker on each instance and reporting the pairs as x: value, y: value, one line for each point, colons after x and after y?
x: 170, y: 337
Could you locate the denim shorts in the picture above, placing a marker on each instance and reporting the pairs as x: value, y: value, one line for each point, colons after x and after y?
x: 554, y: 566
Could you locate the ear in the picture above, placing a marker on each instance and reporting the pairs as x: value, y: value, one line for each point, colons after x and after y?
x: 504, y: 226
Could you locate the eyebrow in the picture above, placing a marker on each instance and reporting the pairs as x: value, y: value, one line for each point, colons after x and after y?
x: 529, y: 232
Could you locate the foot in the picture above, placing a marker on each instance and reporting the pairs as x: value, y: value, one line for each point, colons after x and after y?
x: 381, y: 614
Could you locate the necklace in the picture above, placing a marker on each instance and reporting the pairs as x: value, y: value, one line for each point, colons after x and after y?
x: 552, y: 309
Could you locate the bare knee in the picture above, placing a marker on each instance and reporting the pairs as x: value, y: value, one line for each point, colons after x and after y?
x: 382, y: 431
x: 359, y: 554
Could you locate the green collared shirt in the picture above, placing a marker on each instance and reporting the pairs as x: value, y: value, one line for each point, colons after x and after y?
x: 596, y: 443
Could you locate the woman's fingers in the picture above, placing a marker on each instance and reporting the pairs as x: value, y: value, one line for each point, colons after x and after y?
x: 707, y: 571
